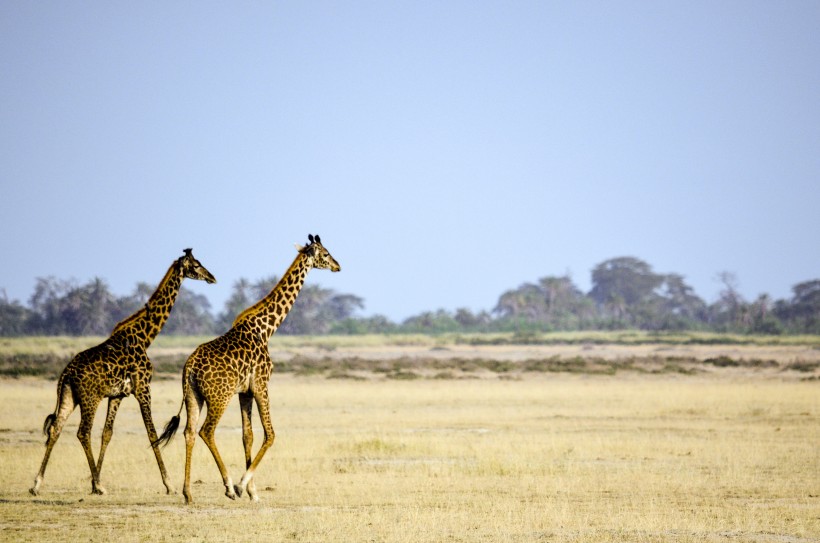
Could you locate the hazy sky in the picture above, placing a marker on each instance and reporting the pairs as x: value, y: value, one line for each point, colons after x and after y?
x: 445, y: 151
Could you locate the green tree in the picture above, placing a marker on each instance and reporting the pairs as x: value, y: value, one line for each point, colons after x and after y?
x: 473, y: 322
x: 625, y: 290
x: 566, y: 307
x: 554, y: 303
x: 191, y: 315
x: 763, y: 318
x: 63, y: 307
x: 243, y: 295
x: 525, y: 303
x: 377, y: 324
x: 45, y: 304
x: 13, y: 316
x: 730, y: 312
x: 802, y: 313
x: 317, y: 309
x: 680, y: 308
x: 92, y: 309
x: 625, y: 278
x: 431, y: 322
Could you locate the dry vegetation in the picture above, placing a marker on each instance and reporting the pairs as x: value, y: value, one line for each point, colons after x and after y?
x: 504, y: 356
x: 647, y: 444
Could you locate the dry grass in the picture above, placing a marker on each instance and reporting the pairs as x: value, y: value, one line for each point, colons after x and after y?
x: 724, y: 456
x: 456, y: 357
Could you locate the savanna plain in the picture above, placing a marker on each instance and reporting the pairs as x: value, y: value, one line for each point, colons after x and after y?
x: 452, y: 441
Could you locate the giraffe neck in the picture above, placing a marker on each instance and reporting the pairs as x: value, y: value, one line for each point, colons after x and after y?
x: 265, y: 316
x: 144, y: 325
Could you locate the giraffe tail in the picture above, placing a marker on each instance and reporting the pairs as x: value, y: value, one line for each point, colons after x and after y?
x: 168, y: 433
x: 47, y: 424
x: 170, y: 428
x: 53, y: 416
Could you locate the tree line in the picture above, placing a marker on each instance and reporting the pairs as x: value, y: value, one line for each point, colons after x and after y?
x: 626, y: 294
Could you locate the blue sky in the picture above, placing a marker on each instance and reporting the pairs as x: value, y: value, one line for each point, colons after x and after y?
x: 445, y: 151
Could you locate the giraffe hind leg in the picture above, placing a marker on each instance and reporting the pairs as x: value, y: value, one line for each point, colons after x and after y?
x: 264, y: 413
x: 246, y: 406
x: 193, y: 406
x: 52, y: 428
x: 207, y: 434
x: 144, y: 399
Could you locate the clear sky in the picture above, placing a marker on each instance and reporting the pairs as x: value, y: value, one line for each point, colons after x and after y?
x: 446, y: 151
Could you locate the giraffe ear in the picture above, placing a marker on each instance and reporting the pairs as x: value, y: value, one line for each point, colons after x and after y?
x: 298, y: 247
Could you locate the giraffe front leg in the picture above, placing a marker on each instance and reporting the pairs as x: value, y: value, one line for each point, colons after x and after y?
x: 144, y: 399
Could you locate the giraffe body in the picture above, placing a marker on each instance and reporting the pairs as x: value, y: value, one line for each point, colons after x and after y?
x: 239, y: 362
x: 114, y: 369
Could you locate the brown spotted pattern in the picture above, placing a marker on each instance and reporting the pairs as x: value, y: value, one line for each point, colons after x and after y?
x: 114, y: 369
x: 238, y: 362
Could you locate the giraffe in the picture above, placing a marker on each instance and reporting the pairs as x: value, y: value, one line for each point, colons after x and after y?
x: 238, y: 362
x: 114, y: 369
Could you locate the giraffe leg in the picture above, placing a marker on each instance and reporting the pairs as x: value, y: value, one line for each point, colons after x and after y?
x: 207, y: 431
x: 108, y: 429
x: 263, y: 406
x: 88, y: 408
x: 144, y: 399
x: 246, y: 406
x: 193, y: 406
x: 53, y: 431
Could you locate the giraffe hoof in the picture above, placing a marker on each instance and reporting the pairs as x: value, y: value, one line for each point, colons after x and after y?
x: 100, y: 491
x: 238, y: 490
x: 230, y: 493
x: 33, y: 491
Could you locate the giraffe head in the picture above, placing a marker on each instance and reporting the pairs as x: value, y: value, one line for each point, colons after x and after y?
x: 191, y: 268
x: 322, y: 260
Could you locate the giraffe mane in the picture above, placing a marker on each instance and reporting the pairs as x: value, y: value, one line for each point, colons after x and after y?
x: 252, y: 310
x: 129, y: 320
x: 139, y: 314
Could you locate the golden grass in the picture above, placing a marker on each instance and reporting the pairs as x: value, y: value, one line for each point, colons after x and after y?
x: 560, y: 458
